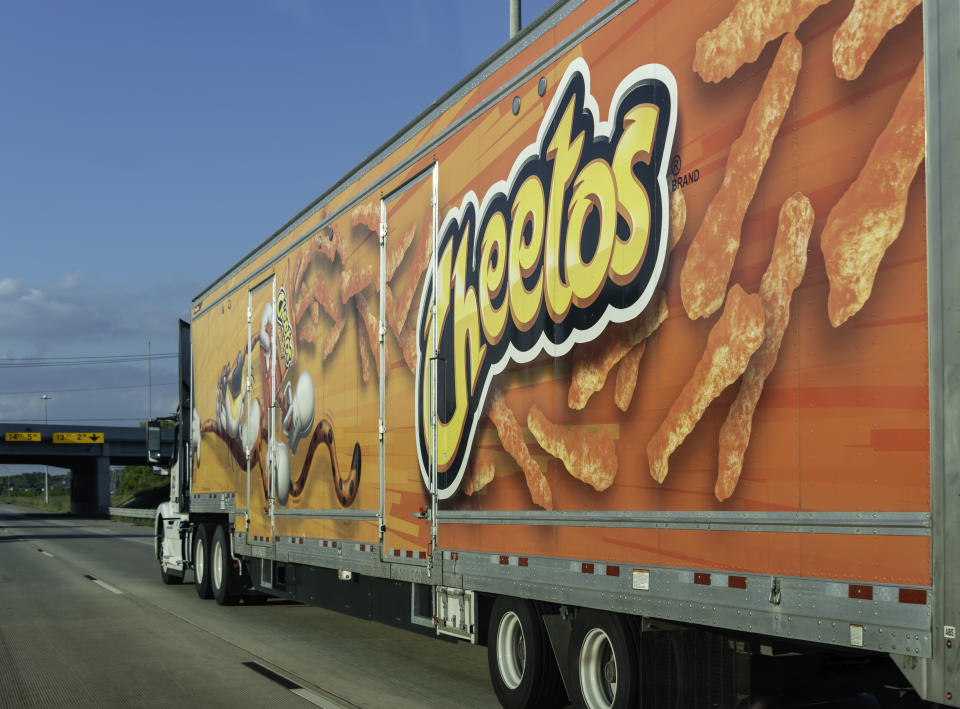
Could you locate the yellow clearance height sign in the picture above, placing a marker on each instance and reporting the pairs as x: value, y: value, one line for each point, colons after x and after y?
x: 74, y: 437
x: 21, y: 436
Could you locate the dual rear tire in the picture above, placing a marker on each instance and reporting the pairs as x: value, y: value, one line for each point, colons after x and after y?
x: 215, y: 574
x: 201, y: 561
x: 523, y: 669
x: 602, y: 660
x: 224, y: 572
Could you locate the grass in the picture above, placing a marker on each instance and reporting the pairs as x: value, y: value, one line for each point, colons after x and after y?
x: 58, y: 503
x: 120, y: 498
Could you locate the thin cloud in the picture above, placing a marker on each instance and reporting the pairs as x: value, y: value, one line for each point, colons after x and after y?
x: 72, y: 280
x: 9, y: 286
x: 74, y: 316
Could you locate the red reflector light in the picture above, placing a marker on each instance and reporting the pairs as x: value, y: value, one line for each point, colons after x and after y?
x: 858, y: 591
x: 586, y: 568
x: 737, y: 582
x: 613, y: 570
x: 504, y: 559
x: 702, y: 579
x: 917, y: 596
x: 523, y: 561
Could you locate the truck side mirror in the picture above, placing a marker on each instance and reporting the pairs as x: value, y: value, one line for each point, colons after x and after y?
x: 153, y: 442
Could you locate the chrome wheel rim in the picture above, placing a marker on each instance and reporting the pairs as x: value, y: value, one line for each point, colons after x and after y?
x: 598, y: 670
x: 511, y: 650
x: 217, y: 577
x: 199, y: 563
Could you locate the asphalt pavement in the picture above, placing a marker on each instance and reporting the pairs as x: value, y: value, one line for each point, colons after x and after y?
x: 85, y: 621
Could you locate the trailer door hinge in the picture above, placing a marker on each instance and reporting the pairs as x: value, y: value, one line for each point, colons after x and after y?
x: 249, y: 315
x: 382, y: 330
x: 382, y: 428
x: 383, y: 233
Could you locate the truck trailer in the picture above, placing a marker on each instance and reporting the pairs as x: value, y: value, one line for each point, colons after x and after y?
x: 740, y: 444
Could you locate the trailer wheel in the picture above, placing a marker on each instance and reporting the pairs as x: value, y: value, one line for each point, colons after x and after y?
x: 224, y: 578
x: 168, y: 577
x: 604, y: 663
x: 523, y: 670
x: 201, y: 561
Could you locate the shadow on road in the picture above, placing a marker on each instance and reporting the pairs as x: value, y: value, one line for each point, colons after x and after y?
x: 15, y: 537
x: 19, y: 525
x: 23, y: 513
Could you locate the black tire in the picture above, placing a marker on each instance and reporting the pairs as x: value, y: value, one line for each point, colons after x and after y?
x: 224, y: 577
x: 523, y: 669
x: 201, y: 561
x: 170, y: 578
x: 604, y: 662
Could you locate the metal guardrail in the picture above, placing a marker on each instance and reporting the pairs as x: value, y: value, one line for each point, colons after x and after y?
x: 131, y: 513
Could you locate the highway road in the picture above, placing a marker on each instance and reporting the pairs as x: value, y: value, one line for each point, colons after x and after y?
x: 86, y: 621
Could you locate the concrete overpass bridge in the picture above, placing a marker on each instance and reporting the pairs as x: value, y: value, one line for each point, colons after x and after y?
x: 87, y: 451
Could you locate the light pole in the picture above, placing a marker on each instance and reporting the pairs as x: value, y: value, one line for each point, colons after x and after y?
x: 46, y: 468
x: 515, y: 20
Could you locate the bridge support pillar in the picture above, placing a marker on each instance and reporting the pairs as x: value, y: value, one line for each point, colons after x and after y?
x: 90, y: 486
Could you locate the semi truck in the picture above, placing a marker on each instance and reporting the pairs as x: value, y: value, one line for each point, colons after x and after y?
x: 738, y: 447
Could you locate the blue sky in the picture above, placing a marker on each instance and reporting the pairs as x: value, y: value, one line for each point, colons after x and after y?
x: 147, y: 146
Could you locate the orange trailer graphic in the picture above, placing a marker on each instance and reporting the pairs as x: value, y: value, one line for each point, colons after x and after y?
x: 552, y: 238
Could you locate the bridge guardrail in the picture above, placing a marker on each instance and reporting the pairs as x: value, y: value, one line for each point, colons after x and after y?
x: 131, y: 513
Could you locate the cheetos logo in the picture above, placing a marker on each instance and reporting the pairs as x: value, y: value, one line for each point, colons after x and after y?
x: 573, y: 240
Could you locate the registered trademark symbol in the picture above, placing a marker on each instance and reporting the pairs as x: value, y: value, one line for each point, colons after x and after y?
x: 675, y: 165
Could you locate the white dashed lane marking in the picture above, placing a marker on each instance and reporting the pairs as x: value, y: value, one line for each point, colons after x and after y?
x: 315, y: 698
x: 104, y: 584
